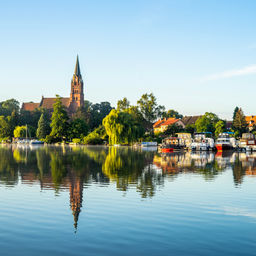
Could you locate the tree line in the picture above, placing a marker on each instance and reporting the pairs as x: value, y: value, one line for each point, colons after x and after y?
x: 101, y: 123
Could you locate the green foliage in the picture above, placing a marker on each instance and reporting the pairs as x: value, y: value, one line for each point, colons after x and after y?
x: 171, y: 113
x: 239, y: 123
x: 172, y: 130
x: 123, y: 104
x: 149, y: 108
x: 77, y: 129
x: 93, y: 114
x: 76, y: 140
x: 20, y: 131
x: 8, y: 106
x: 49, y: 139
x: 97, y: 137
x: 43, y: 128
x: 190, y: 128
x: 122, y: 128
x: 220, y: 127
x: 235, y: 111
x: 59, y: 119
x: 207, y: 122
x: 7, y: 125
x: 31, y: 117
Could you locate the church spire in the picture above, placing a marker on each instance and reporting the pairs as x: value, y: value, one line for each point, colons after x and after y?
x: 77, y: 68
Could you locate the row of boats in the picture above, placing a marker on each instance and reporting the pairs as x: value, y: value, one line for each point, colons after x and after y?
x: 205, y: 142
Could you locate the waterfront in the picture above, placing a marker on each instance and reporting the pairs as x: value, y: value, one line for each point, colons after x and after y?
x: 122, y: 201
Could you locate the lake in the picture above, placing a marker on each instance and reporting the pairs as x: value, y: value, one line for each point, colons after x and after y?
x: 124, y: 201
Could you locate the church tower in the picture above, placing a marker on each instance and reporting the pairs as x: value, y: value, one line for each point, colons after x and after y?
x: 77, y: 89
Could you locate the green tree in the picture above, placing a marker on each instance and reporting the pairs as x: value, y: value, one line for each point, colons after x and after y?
x: 207, y: 122
x: 121, y: 128
x: 20, y: 132
x: 220, y: 127
x: 6, y: 127
x: 59, y: 119
x: 78, y: 129
x: 235, y: 111
x: 171, y: 113
x: 8, y: 106
x: 149, y: 108
x: 43, y: 128
x: 97, y: 137
x: 240, y: 124
x: 173, y: 129
x: 123, y: 104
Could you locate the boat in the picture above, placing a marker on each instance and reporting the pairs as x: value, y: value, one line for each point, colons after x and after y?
x: 149, y: 144
x: 225, y: 142
x: 36, y: 142
x: 171, y: 144
x: 247, y: 142
x: 202, y: 141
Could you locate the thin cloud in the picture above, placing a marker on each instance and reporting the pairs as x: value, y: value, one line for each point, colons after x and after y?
x: 232, y: 73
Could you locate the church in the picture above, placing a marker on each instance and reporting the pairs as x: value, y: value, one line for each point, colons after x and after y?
x: 72, y: 103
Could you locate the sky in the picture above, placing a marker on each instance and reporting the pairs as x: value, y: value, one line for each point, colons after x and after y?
x: 194, y: 56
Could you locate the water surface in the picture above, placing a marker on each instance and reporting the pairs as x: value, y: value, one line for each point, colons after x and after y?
x: 122, y: 201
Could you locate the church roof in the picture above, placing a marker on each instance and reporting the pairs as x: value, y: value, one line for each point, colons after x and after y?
x: 77, y: 68
x: 29, y: 106
x: 48, y: 102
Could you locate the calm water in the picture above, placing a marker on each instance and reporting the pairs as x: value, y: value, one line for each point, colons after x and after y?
x: 119, y: 201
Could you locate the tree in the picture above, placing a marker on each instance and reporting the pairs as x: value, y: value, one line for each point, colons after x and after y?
x: 171, y: 113
x: 6, y: 127
x: 78, y: 129
x: 235, y: 111
x: 220, y: 127
x: 59, y: 119
x: 121, y: 128
x: 123, y: 104
x: 149, y: 108
x: 97, y: 137
x: 43, y: 128
x: 207, y: 122
x: 239, y: 123
x: 20, y: 131
x: 173, y: 129
x: 8, y: 106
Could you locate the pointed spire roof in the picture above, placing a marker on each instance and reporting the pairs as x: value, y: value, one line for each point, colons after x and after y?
x: 77, y: 68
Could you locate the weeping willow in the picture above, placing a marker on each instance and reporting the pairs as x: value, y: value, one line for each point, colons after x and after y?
x: 122, y: 128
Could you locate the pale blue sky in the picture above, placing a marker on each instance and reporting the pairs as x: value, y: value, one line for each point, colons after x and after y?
x: 195, y: 56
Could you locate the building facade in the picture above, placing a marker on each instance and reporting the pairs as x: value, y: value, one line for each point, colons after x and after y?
x: 72, y: 103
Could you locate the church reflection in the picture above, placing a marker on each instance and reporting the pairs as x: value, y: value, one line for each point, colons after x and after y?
x: 73, y: 169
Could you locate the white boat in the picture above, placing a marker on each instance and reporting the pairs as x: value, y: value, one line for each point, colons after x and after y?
x: 225, y: 142
x: 202, y: 143
x: 36, y: 142
x: 149, y: 144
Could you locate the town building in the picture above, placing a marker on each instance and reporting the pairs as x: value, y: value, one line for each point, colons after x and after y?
x: 72, y: 103
x: 251, y: 122
x: 190, y: 120
x: 162, y: 124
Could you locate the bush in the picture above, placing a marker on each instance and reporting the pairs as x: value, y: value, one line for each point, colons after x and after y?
x: 76, y: 140
x: 93, y: 139
x: 51, y: 139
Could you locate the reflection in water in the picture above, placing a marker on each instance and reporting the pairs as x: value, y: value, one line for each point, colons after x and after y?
x: 66, y: 168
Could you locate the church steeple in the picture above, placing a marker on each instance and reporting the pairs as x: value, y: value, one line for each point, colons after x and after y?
x: 77, y: 68
x: 77, y: 89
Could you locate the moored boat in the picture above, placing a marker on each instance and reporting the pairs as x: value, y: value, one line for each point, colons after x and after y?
x: 225, y: 142
x: 171, y: 144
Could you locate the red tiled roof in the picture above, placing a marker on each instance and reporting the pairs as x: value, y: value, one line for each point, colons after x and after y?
x: 251, y: 120
x: 157, y: 123
x: 170, y: 121
x: 48, y: 102
x: 30, y: 106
